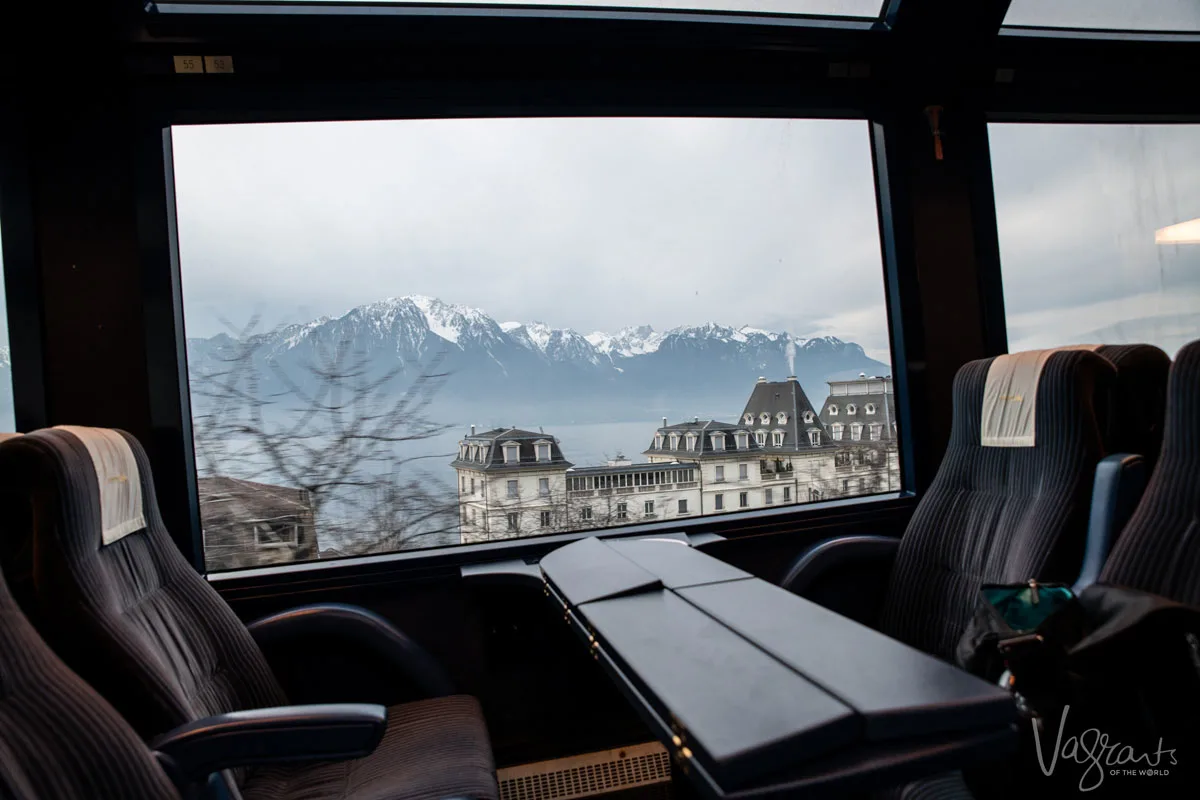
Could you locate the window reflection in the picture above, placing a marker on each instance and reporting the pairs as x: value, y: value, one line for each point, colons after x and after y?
x: 1098, y: 229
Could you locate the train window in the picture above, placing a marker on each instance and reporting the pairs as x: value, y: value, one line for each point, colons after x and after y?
x: 7, y: 418
x: 1132, y: 15
x: 1099, y: 233
x: 834, y: 8
x: 412, y: 334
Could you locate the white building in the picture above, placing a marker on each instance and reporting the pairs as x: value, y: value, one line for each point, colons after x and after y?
x: 781, y: 451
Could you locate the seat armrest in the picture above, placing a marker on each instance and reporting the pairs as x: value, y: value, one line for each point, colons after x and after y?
x: 827, y: 554
x: 337, y: 732
x: 1118, y: 488
x: 364, y: 628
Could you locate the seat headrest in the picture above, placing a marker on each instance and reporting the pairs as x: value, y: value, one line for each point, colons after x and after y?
x: 120, y: 485
x: 1010, y: 397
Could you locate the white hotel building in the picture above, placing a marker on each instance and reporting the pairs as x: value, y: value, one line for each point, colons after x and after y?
x: 514, y: 482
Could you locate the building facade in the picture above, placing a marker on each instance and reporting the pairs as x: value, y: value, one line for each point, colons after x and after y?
x: 781, y: 450
x: 249, y: 524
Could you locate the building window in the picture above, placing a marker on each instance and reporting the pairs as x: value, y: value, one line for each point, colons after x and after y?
x: 674, y: 441
x: 743, y: 441
x: 691, y: 442
x: 544, y: 486
x: 814, y: 495
x: 876, y: 429
x: 764, y: 418
x: 544, y: 519
x: 718, y: 502
x: 543, y: 452
x: 472, y: 486
x: 512, y: 488
x: 845, y: 486
x: 277, y: 534
x: 648, y: 508
x: 837, y: 428
x: 622, y: 511
x: 743, y: 472
x: 462, y: 483
x: 787, y: 494
x: 777, y: 438
x: 512, y: 454
x: 841, y: 458
x: 683, y: 506
x: 869, y: 408
x: 743, y: 499
x: 474, y: 452
x: 718, y: 441
x: 814, y: 438
x: 748, y: 419
x: 513, y: 520
x: 808, y: 417
x: 769, y: 496
x: 856, y: 431
x: 658, y: 441
x: 833, y: 410
x: 851, y: 409
x: 781, y: 418
x: 585, y: 513
x: 760, y: 437
x: 719, y: 473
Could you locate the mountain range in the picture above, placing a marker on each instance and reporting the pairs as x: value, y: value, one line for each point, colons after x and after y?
x: 528, y: 373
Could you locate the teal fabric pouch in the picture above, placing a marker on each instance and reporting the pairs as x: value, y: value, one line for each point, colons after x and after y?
x: 1023, y: 607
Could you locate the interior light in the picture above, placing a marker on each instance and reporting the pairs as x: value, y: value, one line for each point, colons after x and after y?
x: 1182, y: 233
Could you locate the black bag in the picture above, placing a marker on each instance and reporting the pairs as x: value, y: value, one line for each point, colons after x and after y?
x: 1110, y: 680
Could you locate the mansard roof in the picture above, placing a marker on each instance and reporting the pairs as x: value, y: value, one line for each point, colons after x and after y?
x: 787, y: 398
x: 491, y: 454
x: 875, y: 392
x: 703, y: 430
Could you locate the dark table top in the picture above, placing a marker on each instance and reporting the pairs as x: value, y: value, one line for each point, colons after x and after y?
x: 759, y: 692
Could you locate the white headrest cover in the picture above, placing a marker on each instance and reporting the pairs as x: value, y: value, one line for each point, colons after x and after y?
x: 1010, y: 397
x: 120, y: 485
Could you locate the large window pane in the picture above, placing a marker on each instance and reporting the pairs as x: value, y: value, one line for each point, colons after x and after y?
x: 421, y: 333
x: 7, y: 422
x: 1099, y: 233
x: 1133, y: 15
x: 842, y: 8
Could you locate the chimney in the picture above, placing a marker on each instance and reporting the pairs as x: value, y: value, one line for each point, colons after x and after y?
x: 472, y: 430
x: 761, y: 379
x: 792, y: 378
x: 695, y: 419
x: 664, y: 422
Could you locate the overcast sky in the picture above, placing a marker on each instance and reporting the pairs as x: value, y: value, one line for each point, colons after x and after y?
x: 592, y: 224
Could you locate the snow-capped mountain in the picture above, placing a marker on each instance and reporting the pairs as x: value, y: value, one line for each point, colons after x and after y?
x: 532, y: 371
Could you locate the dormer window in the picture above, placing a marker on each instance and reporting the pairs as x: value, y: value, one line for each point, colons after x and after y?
x: 833, y: 411
x: 814, y: 438
x: 474, y: 452
x: 512, y: 453
x: 718, y: 441
x: 743, y: 441
x: 777, y: 438
x: 674, y: 441
x: 760, y: 438
x: 837, y: 429
x: 870, y: 408
x: 658, y: 441
x: 851, y: 409
x: 808, y: 417
x: 856, y: 431
x: 691, y: 441
x: 543, y: 451
x: 462, y: 451
x: 876, y: 429
x: 764, y: 418
x: 781, y: 418
x: 748, y: 419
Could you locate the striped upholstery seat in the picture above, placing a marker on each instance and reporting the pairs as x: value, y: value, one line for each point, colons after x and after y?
x: 1159, y: 550
x: 152, y: 636
x: 59, y: 740
x: 1000, y: 514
